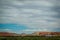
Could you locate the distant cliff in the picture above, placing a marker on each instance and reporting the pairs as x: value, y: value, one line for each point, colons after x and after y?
x: 47, y: 33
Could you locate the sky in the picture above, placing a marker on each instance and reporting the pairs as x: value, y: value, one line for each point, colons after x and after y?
x: 27, y: 16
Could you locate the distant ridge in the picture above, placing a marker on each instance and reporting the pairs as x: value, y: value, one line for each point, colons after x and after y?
x: 33, y: 34
x: 7, y: 34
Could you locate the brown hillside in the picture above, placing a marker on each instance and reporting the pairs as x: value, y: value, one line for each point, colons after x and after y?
x: 7, y: 34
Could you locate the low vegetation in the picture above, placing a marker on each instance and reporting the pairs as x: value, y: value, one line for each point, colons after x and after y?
x: 30, y: 38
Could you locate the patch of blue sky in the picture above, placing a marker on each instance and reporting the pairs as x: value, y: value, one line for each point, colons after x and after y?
x: 12, y: 26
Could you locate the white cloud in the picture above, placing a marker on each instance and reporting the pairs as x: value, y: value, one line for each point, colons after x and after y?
x: 35, y: 30
x: 7, y: 30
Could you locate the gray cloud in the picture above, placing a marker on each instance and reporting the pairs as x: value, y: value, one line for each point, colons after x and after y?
x: 34, y: 14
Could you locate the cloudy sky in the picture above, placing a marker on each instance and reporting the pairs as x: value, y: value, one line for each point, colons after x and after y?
x: 29, y: 15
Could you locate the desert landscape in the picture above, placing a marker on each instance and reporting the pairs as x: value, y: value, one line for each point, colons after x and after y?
x: 29, y: 19
x: 33, y: 36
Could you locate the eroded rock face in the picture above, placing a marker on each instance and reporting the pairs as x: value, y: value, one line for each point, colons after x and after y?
x: 48, y: 33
